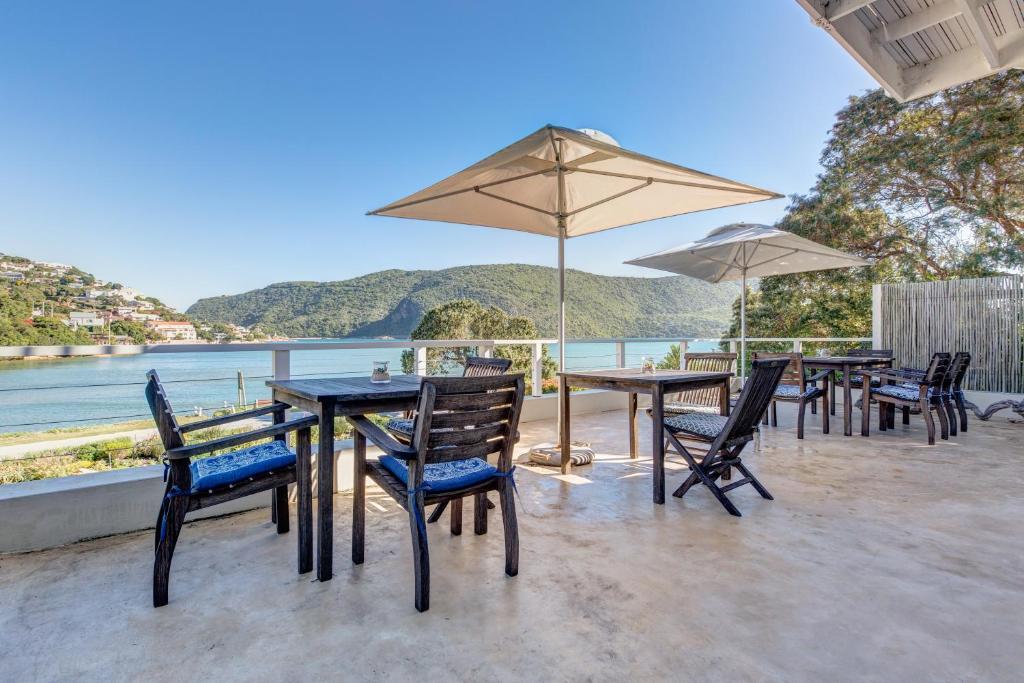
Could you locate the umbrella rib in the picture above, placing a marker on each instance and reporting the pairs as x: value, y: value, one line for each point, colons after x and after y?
x: 683, y: 183
x: 610, y: 198
x: 445, y: 195
x: 512, y: 201
x: 773, y: 258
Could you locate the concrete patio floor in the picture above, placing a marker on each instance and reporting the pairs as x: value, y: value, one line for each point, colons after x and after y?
x: 880, y: 559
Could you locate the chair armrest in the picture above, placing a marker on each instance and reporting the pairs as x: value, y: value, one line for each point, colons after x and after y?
x: 821, y: 374
x: 238, y: 439
x: 381, y: 439
x: 224, y: 419
x: 913, y: 371
x: 887, y: 373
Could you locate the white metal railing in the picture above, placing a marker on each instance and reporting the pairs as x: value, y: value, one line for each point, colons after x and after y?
x: 281, y: 351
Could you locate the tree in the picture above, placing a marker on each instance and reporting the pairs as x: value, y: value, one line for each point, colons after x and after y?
x: 930, y: 189
x: 131, y: 329
x: 467, y: 319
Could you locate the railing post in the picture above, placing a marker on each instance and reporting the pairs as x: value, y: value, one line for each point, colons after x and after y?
x: 732, y: 346
x: 684, y: 346
x: 620, y: 354
x: 798, y: 345
x: 537, y: 369
x: 281, y: 364
x: 876, y: 317
x: 420, y: 367
x: 487, y: 350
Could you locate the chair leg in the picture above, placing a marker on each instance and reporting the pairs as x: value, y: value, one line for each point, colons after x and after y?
x: 456, y: 517
x: 906, y: 415
x: 281, y: 508
x: 420, y: 557
x: 511, y: 525
x: 764, y: 420
x: 438, y: 511
x: 963, y: 413
x: 479, y: 514
x: 686, y: 485
x: 174, y: 518
x: 883, y: 420
x: 943, y: 422
x: 929, y: 422
x: 814, y: 407
x: 775, y: 413
x: 800, y: 419
x: 273, y: 509
x: 951, y: 415
x: 758, y: 486
x: 359, y: 498
x: 824, y: 411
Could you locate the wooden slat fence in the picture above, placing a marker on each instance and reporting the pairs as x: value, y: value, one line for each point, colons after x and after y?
x: 984, y: 316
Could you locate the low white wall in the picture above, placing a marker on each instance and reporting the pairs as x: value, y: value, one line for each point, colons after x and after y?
x: 53, y: 512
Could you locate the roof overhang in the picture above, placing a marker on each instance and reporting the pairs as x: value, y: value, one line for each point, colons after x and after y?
x: 914, y: 49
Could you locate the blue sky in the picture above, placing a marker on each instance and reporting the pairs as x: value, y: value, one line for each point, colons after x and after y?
x: 195, y: 148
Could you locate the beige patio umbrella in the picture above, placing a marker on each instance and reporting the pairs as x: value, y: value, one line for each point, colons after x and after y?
x: 567, y: 183
x: 742, y: 250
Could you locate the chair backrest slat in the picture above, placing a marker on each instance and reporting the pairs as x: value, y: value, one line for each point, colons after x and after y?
x: 938, y: 370
x: 764, y: 378
x: 961, y: 361
x: 478, y: 366
x: 794, y: 371
x: 163, y: 415
x: 705, y: 362
x: 468, y: 417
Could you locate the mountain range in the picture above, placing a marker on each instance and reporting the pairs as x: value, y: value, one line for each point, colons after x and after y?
x: 391, y: 303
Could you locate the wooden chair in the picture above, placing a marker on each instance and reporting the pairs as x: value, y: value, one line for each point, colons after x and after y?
x: 961, y: 362
x: 909, y: 389
x: 193, y: 485
x: 701, y: 400
x: 726, y: 436
x: 402, y: 427
x: 459, y: 422
x: 800, y: 388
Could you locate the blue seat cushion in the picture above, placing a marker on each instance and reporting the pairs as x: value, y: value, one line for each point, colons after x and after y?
x: 444, y: 476
x: 401, y: 425
x: 787, y: 391
x: 904, y: 392
x: 237, y: 466
x: 701, y: 424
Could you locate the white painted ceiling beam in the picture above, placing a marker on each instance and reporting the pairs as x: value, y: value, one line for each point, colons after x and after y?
x: 980, y: 27
x: 918, y: 21
x: 837, y: 9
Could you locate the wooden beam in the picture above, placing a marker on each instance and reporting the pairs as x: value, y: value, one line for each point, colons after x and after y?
x: 837, y: 9
x: 918, y: 21
x: 980, y: 27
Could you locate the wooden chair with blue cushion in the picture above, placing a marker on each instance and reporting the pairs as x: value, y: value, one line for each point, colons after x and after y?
x: 402, y: 427
x: 459, y: 422
x: 800, y: 388
x: 912, y: 391
x: 193, y: 484
x: 726, y: 436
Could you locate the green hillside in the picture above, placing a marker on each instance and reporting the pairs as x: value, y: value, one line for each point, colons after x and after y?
x: 392, y: 302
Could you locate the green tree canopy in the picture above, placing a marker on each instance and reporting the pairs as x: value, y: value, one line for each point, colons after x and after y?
x: 467, y: 319
x: 930, y: 189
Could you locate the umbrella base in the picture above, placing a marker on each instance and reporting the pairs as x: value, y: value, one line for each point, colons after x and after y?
x: 550, y: 455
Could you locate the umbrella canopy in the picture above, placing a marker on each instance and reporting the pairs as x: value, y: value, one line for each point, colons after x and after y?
x: 565, y: 183
x: 742, y: 250
x: 559, y: 177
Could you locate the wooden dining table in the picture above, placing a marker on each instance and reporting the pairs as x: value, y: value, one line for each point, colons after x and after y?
x: 328, y: 398
x: 846, y: 365
x: 635, y: 382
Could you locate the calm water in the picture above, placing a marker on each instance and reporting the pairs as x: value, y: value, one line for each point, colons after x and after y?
x: 207, y: 380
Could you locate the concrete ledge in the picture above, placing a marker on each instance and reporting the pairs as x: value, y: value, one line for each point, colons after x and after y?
x: 54, y: 512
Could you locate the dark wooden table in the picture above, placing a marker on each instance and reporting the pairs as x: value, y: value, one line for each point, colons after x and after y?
x: 636, y: 382
x: 328, y: 398
x: 845, y: 365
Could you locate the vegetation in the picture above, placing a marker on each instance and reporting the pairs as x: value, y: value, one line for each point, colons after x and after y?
x: 465, y: 319
x: 393, y: 302
x: 930, y: 189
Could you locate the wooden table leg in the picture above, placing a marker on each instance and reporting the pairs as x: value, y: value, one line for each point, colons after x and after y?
x: 563, y: 425
x: 631, y: 409
x: 304, y: 498
x: 723, y: 401
x: 847, y: 403
x: 832, y: 375
x: 865, y: 407
x: 325, y: 494
x: 358, y: 496
x: 657, y: 428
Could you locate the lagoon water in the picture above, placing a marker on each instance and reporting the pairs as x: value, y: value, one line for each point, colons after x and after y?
x: 36, y: 395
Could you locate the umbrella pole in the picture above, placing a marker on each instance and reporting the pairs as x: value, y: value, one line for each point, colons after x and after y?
x: 743, y: 329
